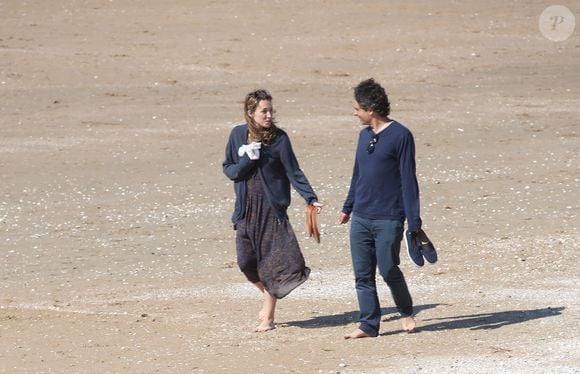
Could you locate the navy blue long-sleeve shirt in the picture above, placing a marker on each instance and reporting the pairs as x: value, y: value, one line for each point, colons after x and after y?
x: 384, y: 184
x: 277, y: 167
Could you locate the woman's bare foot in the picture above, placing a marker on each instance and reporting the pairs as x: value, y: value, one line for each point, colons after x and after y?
x: 263, y: 314
x: 265, y: 326
x: 408, y: 324
x: 357, y: 334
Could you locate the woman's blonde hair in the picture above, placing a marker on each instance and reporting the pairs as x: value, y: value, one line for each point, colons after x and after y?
x: 257, y: 133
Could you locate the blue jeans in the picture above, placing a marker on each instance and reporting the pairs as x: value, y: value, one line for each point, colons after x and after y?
x: 377, y: 243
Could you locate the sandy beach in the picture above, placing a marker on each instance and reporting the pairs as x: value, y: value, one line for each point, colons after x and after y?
x: 117, y: 253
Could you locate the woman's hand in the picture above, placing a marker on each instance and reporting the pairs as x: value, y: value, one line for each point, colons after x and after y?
x: 318, y: 206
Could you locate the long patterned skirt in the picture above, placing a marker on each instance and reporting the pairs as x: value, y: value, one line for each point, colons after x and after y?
x: 267, y: 248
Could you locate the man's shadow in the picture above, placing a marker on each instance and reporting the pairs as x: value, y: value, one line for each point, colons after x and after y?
x: 482, y: 321
x: 348, y: 317
x: 485, y: 321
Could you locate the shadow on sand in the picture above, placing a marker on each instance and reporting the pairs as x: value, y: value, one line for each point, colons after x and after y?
x: 483, y: 321
x: 350, y: 317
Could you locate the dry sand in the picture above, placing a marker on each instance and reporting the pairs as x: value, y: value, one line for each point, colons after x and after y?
x: 116, y: 250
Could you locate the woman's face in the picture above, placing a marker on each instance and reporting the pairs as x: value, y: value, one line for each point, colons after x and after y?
x: 263, y: 114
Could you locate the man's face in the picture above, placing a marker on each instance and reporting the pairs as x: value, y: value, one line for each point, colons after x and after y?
x: 363, y: 115
x: 263, y: 114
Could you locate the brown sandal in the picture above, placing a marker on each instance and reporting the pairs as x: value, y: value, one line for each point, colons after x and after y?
x: 312, y: 222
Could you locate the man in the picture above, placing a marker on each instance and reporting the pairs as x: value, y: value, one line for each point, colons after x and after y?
x: 383, y: 192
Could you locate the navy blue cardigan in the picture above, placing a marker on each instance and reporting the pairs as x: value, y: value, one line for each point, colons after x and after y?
x: 277, y: 168
x: 384, y: 184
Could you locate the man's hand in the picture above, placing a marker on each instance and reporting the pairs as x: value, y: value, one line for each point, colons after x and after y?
x: 343, y: 218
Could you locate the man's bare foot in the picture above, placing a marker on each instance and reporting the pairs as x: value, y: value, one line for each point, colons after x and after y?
x: 408, y: 324
x: 357, y: 334
x: 265, y: 326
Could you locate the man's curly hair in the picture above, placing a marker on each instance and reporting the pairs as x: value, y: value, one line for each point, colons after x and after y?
x: 372, y: 96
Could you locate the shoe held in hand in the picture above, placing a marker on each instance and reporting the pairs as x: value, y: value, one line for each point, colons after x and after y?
x: 312, y: 222
x: 420, y: 248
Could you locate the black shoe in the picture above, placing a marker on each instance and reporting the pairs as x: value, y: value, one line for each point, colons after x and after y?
x: 413, y: 249
x: 427, y: 248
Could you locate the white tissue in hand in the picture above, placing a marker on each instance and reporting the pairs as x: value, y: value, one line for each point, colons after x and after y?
x: 252, y: 150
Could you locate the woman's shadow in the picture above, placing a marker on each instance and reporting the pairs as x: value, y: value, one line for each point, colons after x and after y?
x: 480, y: 321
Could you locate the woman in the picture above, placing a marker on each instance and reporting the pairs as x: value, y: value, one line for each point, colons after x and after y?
x: 261, y: 163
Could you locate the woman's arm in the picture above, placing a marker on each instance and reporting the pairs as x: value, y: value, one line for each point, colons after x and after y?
x: 235, y: 167
x: 295, y: 175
